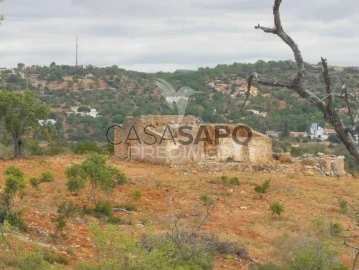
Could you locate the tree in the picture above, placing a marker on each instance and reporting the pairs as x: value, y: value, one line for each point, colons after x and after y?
x: 14, y: 184
x: 327, y: 104
x: 20, y: 112
x: 84, y: 109
x: 20, y: 66
x: 95, y: 170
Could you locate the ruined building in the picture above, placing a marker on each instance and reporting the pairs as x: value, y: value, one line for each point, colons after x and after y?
x: 182, y: 139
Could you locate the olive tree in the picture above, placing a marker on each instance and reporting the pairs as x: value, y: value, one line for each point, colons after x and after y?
x: 14, y: 184
x: 19, y: 113
x: 95, y: 170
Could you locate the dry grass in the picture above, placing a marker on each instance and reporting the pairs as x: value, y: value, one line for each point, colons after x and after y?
x: 239, y: 214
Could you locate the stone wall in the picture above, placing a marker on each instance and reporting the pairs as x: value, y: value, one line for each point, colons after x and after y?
x: 151, y: 129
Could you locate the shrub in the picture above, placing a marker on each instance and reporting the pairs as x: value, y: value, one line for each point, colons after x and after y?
x: 95, y: 170
x: 86, y: 147
x: 51, y: 257
x: 15, y: 219
x: 104, y: 208
x: 224, y: 180
x: 32, y: 148
x: 35, y: 182
x: 276, y: 208
x: 15, y: 181
x: 14, y: 184
x: 135, y: 195
x: 117, y: 250
x: 47, y: 177
x: 65, y: 211
x: 263, y: 188
x: 336, y: 228
x: 206, y: 199
x: 234, y: 181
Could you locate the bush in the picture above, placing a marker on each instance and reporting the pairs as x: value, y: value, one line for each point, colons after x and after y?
x: 35, y: 182
x: 56, y: 147
x: 39, y: 260
x: 15, y: 220
x: 104, y: 208
x: 95, y: 170
x: 51, y: 257
x: 224, y: 180
x: 86, y: 147
x: 47, y: 177
x: 135, y: 195
x: 117, y: 250
x: 277, y: 208
x: 206, y: 199
x: 32, y: 148
x: 65, y: 211
x: 336, y: 228
x: 14, y: 181
x: 263, y: 188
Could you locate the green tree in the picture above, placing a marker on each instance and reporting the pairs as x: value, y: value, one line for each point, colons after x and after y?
x: 14, y: 184
x: 95, y: 170
x: 19, y: 112
x: 84, y: 109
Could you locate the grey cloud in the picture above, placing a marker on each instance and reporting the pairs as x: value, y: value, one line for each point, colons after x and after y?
x: 171, y: 34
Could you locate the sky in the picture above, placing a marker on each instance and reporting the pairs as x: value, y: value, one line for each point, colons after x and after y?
x: 165, y: 35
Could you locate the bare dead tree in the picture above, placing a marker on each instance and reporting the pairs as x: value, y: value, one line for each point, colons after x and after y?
x: 325, y: 105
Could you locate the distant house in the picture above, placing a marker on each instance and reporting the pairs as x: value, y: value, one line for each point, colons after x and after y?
x: 263, y: 114
x: 343, y: 110
x: 317, y: 132
x: 89, y: 76
x: 92, y: 113
x: 254, y: 111
x: 273, y: 134
x: 296, y: 134
x: 329, y: 131
x: 47, y: 122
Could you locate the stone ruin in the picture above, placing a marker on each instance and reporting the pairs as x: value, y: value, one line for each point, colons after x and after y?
x: 328, y: 165
x: 157, y: 139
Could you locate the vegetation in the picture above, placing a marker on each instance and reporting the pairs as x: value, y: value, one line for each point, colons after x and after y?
x: 312, y: 249
x: 14, y: 184
x: 224, y: 180
x: 66, y: 210
x: 261, y: 189
x: 18, y: 113
x: 46, y: 177
x: 94, y: 170
x: 276, y: 208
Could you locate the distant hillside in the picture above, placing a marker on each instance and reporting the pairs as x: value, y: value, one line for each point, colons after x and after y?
x: 117, y: 93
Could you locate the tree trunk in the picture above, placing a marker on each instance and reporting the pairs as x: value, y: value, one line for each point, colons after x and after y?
x: 18, y: 146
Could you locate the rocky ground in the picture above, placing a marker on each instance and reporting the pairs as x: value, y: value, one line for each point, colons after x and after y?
x: 240, y: 214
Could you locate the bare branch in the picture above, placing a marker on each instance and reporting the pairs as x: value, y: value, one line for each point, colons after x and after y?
x: 347, y: 97
x: 327, y: 82
x: 331, y: 116
x: 278, y: 30
x: 266, y: 29
x: 249, y: 86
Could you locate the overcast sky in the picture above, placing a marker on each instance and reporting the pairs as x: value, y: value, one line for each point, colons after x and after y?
x: 154, y: 35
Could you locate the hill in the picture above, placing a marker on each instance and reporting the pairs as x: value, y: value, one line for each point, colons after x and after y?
x: 240, y: 214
